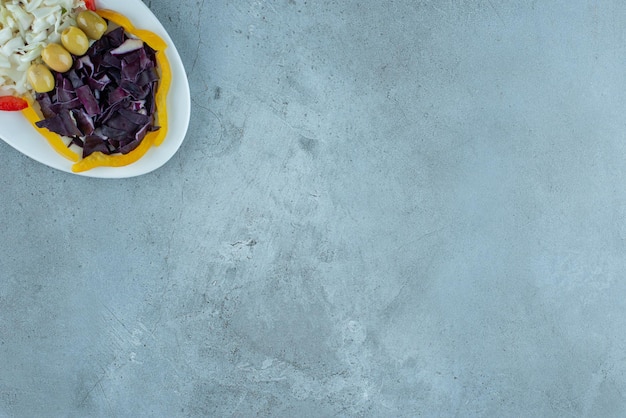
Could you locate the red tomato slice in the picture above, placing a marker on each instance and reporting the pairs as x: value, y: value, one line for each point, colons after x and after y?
x: 90, y: 4
x: 12, y: 103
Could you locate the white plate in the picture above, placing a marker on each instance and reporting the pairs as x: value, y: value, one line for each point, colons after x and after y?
x: 16, y: 131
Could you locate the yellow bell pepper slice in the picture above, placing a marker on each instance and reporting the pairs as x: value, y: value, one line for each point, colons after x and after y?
x: 53, y: 139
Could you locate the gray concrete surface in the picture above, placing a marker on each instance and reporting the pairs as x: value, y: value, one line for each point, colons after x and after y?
x: 388, y: 209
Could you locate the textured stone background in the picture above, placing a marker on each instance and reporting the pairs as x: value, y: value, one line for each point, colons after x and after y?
x: 408, y: 208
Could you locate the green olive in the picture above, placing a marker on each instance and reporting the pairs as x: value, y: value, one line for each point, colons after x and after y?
x: 92, y: 24
x: 75, y: 40
x: 40, y: 78
x: 57, y: 58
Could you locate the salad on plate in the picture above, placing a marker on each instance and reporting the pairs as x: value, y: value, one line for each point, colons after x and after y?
x: 87, y: 80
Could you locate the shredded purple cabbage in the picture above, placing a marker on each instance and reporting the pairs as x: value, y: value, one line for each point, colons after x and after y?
x: 105, y: 102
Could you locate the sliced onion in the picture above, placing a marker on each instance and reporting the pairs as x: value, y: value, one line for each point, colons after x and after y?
x: 25, y: 28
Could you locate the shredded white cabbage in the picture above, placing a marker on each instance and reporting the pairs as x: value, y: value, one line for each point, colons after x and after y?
x: 26, y: 27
